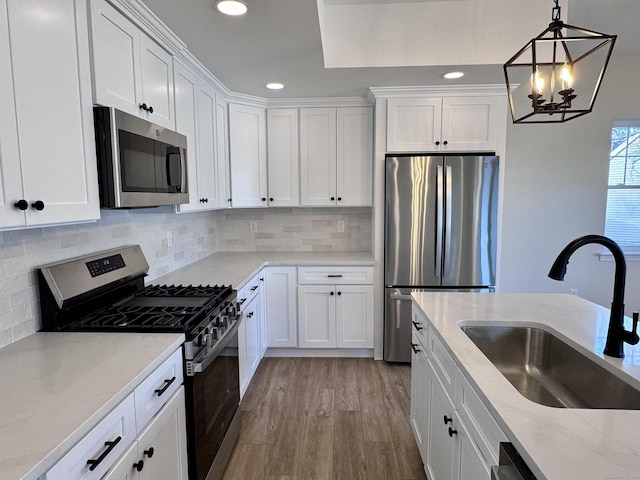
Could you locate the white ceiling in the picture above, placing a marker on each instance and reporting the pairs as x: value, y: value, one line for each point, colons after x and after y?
x: 375, y: 43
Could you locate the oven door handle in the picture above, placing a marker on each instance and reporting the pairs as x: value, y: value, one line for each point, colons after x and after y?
x: 201, y: 362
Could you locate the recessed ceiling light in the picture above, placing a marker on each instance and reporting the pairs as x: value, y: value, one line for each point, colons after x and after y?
x: 452, y: 75
x: 274, y: 86
x: 232, y: 7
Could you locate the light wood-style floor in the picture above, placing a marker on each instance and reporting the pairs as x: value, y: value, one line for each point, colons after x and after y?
x: 326, y: 419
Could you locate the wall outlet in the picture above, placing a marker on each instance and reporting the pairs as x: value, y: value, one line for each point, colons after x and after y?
x: 573, y: 291
x: 253, y: 226
x: 169, y: 238
x: 341, y: 225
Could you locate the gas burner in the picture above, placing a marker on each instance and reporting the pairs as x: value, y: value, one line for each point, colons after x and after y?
x: 185, y: 291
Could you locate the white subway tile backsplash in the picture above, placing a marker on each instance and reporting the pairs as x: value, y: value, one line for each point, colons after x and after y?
x: 195, y: 235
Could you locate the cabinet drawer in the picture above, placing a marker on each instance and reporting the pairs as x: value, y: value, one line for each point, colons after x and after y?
x: 100, y: 448
x: 443, y: 365
x: 250, y: 290
x: 482, y: 428
x: 336, y: 275
x: 152, y: 394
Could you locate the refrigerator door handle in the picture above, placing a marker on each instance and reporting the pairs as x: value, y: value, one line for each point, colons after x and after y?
x: 397, y: 296
x: 447, y: 210
x: 439, y: 219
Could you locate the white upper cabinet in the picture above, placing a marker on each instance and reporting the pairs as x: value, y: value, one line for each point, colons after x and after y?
x: 130, y: 71
x: 195, y: 118
x: 336, y: 159
x: 455, y: 123
x: 282, y: 157
x: 222, y: 153
x: 47, y: 150
x: 248, y: 155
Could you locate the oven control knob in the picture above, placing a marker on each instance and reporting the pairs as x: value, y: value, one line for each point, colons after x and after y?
x: 209, y: 339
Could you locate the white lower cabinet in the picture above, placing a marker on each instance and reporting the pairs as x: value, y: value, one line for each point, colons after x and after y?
x: 160, y: 450
x: 281, y: 306
x: 335, y: 307
x: 144, y: 437
x: 457, y: 437
x: 250, y: 337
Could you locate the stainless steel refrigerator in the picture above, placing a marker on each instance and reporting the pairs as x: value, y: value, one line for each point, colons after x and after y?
x: 440, y: 234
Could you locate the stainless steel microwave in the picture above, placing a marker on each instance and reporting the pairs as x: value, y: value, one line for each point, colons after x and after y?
x: 140, y: 164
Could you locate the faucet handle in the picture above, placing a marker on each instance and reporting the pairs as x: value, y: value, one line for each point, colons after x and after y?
x: 635, y: 322
x: 632, y: 337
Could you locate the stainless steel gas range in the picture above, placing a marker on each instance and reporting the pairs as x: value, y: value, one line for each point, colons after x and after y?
x: 105, y: 291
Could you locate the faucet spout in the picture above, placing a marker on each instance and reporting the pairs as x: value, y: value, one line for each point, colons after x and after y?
x: 616, y: 335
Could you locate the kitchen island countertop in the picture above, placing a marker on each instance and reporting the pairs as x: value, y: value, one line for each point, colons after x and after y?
x: 57, y: 386
x: 557, y: 443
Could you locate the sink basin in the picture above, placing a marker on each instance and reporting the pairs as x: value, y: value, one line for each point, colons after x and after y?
x: 550, y: 372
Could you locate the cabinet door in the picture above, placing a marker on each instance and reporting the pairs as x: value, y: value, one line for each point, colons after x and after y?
x: 186, y: 97
x: 441, y: 446
x: 316, y: 316
x: 162, y: 446
x: 250, y: 355
x: 469, y: 462
x: 124, y: 469
x: 317, y: 156
x: 222, y: 153
x: 156, y: 73
x: 354, y: 156
x: 53, y: 110
x: 414, y: 124
x: 420, y: 397
x: 248, y: 156
x: 10, y: 174
x: 116, y: 58
x: 471, y: 123
x: 354, y: 316
x: 283, y: 158
x: 280, y: 306
x: 201, y: 152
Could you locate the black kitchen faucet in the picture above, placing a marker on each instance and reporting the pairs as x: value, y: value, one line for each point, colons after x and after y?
x: 616, y: 335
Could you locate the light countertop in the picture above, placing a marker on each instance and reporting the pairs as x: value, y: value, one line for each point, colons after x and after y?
x: 237, y: 268
x: 57, y: 386
x: 557, y: 443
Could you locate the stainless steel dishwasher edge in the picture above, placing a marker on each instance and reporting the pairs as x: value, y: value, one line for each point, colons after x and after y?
x: 511, y: 465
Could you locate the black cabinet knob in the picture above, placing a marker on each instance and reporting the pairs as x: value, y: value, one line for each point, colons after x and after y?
x: 437, y: 142
x: 333, y: 198
x: 445, y: 143
x: 339, y: 293
x: 447, y: 419
x: 139, y: 465
x: 21, y: 204
x: 149, y: 453
x: 143, y: 106
x: 150, y: 110
x: 271, y: 199
x: 264, y: 199
x: 204, y: 200
x: 452, y: 432
x: 331, y: 293
x: 339, y: 199
x: 415, y: 348
x: 38, y: 205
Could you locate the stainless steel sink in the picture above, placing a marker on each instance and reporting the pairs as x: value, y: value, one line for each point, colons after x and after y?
x: 548, y: 371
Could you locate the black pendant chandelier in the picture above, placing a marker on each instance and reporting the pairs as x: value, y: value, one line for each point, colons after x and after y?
x: 559, y: 73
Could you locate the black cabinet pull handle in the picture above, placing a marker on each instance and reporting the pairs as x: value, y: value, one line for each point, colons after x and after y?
x: 21, y: 204
x: 452, y: 432
x: 93, y: 463
x: 418, y: 326
x: 254, y: 288
x: 249, y: 314
x: 38, y: 205
x: 139, y: 465
x: 334, y: 276
x: 415, y: 348
x: 167, y: 383
x: 447, y: 419
x: 149, y: 453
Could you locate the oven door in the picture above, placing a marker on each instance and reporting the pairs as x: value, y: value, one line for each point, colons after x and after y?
x: 212, y: 400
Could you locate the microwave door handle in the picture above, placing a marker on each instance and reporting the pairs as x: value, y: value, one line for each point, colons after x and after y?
x: 171, y: 151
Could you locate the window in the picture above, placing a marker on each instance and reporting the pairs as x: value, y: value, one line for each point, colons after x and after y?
x: 623, y: 199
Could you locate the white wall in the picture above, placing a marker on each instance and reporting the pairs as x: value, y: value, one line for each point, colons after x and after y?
x: 556, y: 190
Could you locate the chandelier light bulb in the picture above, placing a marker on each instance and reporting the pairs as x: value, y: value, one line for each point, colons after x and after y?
x: 566, y: 76
x: 537, y: 82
